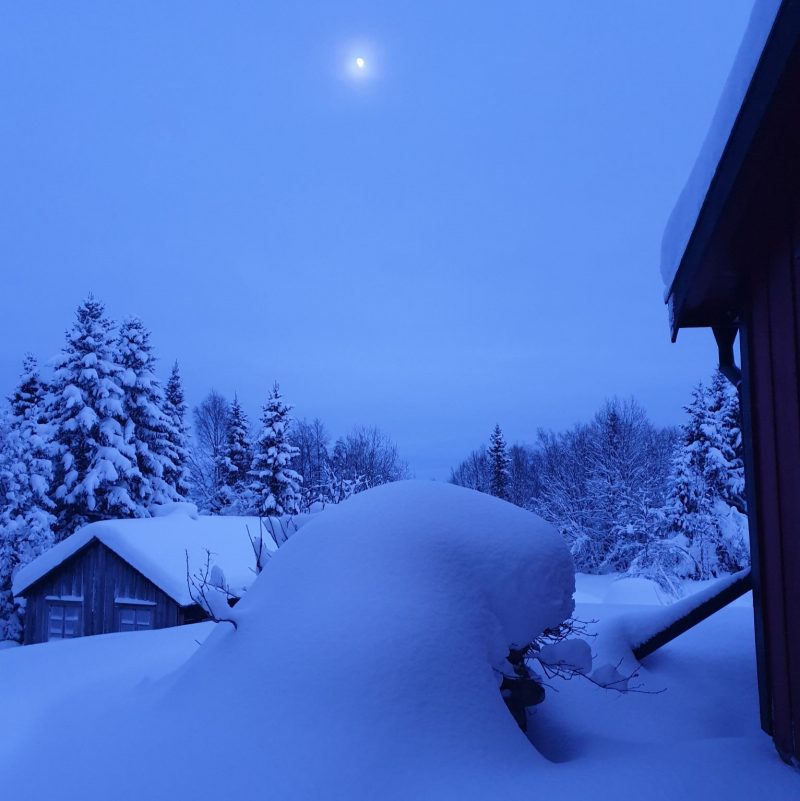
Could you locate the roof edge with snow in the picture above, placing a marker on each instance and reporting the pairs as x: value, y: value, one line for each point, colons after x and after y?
x: 770, y: 41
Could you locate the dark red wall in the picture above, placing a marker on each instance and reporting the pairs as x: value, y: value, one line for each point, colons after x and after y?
x: 771, y: 360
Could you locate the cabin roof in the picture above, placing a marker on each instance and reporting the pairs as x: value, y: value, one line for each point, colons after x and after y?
x: 767, y: 47
x: 158, y: 547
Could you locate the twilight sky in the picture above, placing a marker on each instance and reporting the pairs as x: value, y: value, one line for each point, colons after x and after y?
x: 467, y: 233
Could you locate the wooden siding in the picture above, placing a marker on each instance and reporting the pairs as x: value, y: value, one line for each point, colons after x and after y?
x: 771, y: 362
x: 98, y: 576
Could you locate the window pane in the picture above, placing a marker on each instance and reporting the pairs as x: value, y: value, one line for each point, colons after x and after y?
x: 64, y: 621
x: 71, y: 628
x: 127, y: 617
x: 144, y: 618
x: 55, y: 629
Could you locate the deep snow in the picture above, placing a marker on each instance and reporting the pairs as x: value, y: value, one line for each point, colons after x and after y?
x: 362, y: 669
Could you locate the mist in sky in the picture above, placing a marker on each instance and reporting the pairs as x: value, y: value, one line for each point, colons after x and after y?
x: 465, y: 232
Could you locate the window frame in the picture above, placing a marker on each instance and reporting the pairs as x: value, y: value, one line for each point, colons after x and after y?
x: 137, y: 610
x: 64, y: 606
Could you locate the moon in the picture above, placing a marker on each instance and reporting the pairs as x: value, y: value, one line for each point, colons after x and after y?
x: 360, y: 63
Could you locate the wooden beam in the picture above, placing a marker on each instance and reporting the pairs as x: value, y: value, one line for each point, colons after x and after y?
x: 694, y: 615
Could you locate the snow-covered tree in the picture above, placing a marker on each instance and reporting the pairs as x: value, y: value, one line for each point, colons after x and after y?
x: 96, y: 466
x: 26, y: 473
x: 175, y: 408
x: 497, y: 455
x: 147, y: 427
x: 602, y: 484
x: 625, y: 484
x: 207, y: 455
x: 237, y: 457
x: 275, y: 486
x: 367, y: 457
x: 726, y: 464
x: 702, y: 518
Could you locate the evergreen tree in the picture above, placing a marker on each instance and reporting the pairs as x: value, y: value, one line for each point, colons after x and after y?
x: 29, y: 396
x: 236, y: 461
x: 726, y: 470
x: 700, y: 520
x: 274, y: 485
x: 175, y: 408
x: 498, y: 465
x: 26, y: 473
x: 147, y: 427
x: 96, y: 464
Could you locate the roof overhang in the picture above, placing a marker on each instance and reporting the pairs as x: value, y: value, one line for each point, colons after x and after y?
x: 705, y: 289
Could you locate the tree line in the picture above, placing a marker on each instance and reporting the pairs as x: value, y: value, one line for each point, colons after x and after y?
x: 102, y: 439
x: 630, y: 497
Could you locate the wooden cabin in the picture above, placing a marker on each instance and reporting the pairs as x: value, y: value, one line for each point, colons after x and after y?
x: 131, y: 575
x: 731, y: 261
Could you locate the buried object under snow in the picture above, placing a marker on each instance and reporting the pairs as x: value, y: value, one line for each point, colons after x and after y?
x: 366, y: 663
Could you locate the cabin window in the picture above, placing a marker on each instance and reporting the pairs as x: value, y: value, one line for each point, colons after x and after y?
x: 64, y: 621
x: 134, y: 619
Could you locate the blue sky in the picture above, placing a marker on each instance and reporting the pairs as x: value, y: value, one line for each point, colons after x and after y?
x: 469, y: 233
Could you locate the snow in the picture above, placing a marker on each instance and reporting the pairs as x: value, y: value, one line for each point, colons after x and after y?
x: 157, y: 547
x: 364, y: 666
x: 574, y: 653
x: 640, y: 628
x: 684, y: 216
x: 38, y: 680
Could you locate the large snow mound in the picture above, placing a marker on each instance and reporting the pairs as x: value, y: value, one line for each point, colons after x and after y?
x: 684, y: 216
x: 365, y: 664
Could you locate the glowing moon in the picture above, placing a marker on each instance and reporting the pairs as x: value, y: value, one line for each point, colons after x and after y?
x: 360, y: 63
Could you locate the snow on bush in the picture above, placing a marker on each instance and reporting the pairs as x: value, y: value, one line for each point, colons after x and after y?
x: 365, y: 664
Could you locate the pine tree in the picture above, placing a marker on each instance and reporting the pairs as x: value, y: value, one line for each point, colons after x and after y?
x: 498, y: 465
x: 175, y: 408
x: 236, y: 461
x: 274, y: 485
x: 147, y: 427
x: 96, y: 465
x: 727, y: 469
x: 26, y: 472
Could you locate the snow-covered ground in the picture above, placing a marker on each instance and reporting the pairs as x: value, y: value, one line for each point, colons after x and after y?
x: 363, y: 667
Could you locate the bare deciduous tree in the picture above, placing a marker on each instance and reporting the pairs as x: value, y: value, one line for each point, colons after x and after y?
x: 207, y: 454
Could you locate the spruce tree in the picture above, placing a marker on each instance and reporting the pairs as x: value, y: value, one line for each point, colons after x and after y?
x: 274, y: 485
x: 96, y: 464
x: 147, y: 427
x: 698, y: 509
x: 498, y: 465
x: 26, y: 472
x: 236, y: 462
x: 726, y: 471
x: 175, y: 408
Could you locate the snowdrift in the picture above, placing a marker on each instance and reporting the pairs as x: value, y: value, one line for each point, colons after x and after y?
x: 365, y: 664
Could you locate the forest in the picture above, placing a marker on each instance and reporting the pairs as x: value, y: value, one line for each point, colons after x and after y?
x: 101, y: 438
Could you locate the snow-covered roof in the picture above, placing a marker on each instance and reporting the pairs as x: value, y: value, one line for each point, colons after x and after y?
x: 684, y: 216
x: 157, y: 547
